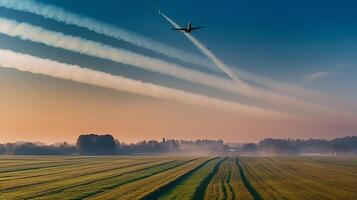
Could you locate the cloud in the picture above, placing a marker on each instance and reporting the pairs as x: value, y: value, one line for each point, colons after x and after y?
x: 317, y: 75
x: 64, y: 16
x: 33, y: 33
x: 36, y: 65
x: 61, y: 15
x: 56, y: 39
x: 239, y: 78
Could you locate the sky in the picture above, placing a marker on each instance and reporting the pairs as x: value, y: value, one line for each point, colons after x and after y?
x: 295, y: 64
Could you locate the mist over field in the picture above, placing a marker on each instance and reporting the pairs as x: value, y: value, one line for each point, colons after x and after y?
x: 93, y: 144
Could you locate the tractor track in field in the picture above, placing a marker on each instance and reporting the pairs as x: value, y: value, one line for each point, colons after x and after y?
x: 16, y: 164
x: 223, y: 186
x: 287, y: 175
x: 160, y: 191
x: 202, y: 188
x: 75, y: 176
x: 326, y: 168
x: 256, y: 195
x: 86, y: 166
x: 38, y: 167
x: 200, y: 191
x: 62, y: 188
x: 304, y: 174
x: 275, y: 194
x: 228, y: 180
x: 41, y: 163
x: 110, y: 188
x: 277, y: 174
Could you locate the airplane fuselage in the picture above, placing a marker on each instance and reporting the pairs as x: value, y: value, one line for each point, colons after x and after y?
x: 189, y: 28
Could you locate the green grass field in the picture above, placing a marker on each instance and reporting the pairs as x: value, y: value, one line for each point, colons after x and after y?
x: 177, y: 177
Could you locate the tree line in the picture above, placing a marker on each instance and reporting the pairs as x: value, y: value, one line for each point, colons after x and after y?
x: 345, y: 145
x: 93, y: 144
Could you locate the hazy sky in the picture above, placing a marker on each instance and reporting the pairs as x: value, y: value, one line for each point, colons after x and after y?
x: 300, y: 58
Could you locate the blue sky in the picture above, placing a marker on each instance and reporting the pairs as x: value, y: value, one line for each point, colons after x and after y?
x: 278, y: 39
x: 311, y: 44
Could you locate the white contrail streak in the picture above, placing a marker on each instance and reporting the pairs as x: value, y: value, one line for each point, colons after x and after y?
x: 37, y: 34
x: 63, y: 16
x: 281, y: 87
x: 270, y: 96
x: 36, y: 65
x: 208, y: 53
x: 254, y: 91
x: 76, y: 44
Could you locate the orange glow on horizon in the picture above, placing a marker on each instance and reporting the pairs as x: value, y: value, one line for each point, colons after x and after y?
x: 38, y: 108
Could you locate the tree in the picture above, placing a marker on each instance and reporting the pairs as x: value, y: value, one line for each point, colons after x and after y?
x: 96, y: 144
x: 250, y: 147
x: 2, y: 149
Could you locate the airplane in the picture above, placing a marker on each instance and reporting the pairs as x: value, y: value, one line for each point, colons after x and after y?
x: 189, y: 28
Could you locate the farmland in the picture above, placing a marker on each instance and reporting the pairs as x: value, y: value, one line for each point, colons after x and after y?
x: 177, y: 177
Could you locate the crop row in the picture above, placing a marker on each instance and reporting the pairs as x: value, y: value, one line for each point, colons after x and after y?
x: 174, y: 177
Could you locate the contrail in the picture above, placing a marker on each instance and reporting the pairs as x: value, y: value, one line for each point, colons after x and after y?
x: 254, y: 91
x: 37, y: 34
x: 80, y: 45
x: 36, y: 65
x: 63, y: 16
x: 281, y: 87
x: 209, y: 54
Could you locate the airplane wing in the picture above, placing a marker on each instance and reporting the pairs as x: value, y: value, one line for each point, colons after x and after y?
x: 179, y: 29
x: 197, y: 27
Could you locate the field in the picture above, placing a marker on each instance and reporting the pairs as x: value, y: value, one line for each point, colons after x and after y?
x: 177, y: 177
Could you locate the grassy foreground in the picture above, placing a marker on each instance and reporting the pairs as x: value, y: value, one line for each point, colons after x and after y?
x: 174, y: 177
